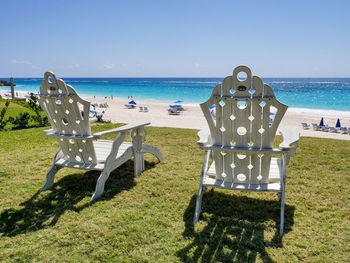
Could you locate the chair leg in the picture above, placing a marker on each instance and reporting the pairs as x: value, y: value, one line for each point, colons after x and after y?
x: 139, y: 163
x: 282, y: 213
x: 50, y: 176
x: 146, y: 148
x: 202, y: 188
x: 283, y: 185
x: 197, y: 211
x: 100, y: 185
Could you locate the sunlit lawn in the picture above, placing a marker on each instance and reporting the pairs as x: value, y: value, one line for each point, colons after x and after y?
x: 148, y: 219
x: 14, y: 110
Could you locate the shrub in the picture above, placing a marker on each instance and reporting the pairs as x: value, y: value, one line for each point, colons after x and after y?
x: 99, y: 117
x: 3, y: 122
x: 33, y: 104
x: 21, y: 121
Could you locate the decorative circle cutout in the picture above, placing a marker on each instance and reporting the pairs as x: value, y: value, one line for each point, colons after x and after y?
x: 242, y: 76
x: 241, y: 131
x: 241, y: 177
x: 50, y: 79
x: 64, y: 121
x: 241, y: 104
x: 241, y: 156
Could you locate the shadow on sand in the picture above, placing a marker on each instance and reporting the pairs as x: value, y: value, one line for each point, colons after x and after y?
x: 234, y: 228
x: 41, y: 212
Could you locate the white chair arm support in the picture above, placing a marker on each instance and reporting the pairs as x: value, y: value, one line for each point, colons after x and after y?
x: 53, y: 133
x: 121, y: 129
x: 204, y: 137
x: 290, y: 139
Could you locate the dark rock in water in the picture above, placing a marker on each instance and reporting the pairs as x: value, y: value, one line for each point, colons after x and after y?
x: 5, y: 83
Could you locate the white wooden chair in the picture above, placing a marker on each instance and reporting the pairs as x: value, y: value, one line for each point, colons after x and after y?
x: 69, y: 118
x: 240, y: 139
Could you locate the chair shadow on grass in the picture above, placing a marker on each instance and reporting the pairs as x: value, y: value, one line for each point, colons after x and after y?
x: 234, y: 228
x: 43, y: 210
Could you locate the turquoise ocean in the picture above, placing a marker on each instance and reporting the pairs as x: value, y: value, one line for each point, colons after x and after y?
x: 308, y: 93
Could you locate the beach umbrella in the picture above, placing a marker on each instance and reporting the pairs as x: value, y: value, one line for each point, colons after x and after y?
x: 212, y: 107
x: 132, y: 102
x: 338, y: 124
x: 321, y: 122
x: 93, y: 112
x: 179, y: 101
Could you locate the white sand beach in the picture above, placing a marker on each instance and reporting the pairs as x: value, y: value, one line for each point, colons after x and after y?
x: 193, y: 118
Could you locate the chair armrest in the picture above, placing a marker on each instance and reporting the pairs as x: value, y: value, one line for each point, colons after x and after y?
x: 121, y: 129
x: 290, y: 138
x: 204, y: 137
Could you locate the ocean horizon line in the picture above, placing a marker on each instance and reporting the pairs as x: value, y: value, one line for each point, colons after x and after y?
x: 7, y: 78
x: 311, y: 93
x: 315, y: 111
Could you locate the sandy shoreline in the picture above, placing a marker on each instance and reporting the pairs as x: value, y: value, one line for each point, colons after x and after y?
x: 193, y: 118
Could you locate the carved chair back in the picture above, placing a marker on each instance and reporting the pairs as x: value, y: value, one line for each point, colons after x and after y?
x: 69, y: 118
x: 247, y: 117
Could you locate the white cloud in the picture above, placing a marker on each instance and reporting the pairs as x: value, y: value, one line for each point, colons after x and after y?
x: 108, y: 65
x: 198, y: 65
x: 15, y: 61
x: 74, y: 66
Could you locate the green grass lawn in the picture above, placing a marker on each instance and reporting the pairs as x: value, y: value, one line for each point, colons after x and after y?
x: 13, y: 110
x: 148, y: 218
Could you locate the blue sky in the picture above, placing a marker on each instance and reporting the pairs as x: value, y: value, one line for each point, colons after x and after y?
x: 174, y: 38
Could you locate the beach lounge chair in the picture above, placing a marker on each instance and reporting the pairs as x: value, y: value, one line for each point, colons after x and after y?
x: 141, y: 108
x: 78, y: 147
x: 240, y: 141
x: 173, y: 111
x: 131, y: 105
x: 343, y: 130
x: 145, y: 109
x: 324, y: 128
x: 333, y: 129
x: 315, y: 127
x: 305, y: 126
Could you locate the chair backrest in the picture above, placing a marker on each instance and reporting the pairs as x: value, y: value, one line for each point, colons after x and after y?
x: 244, y: 110
x: 69, y: 118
